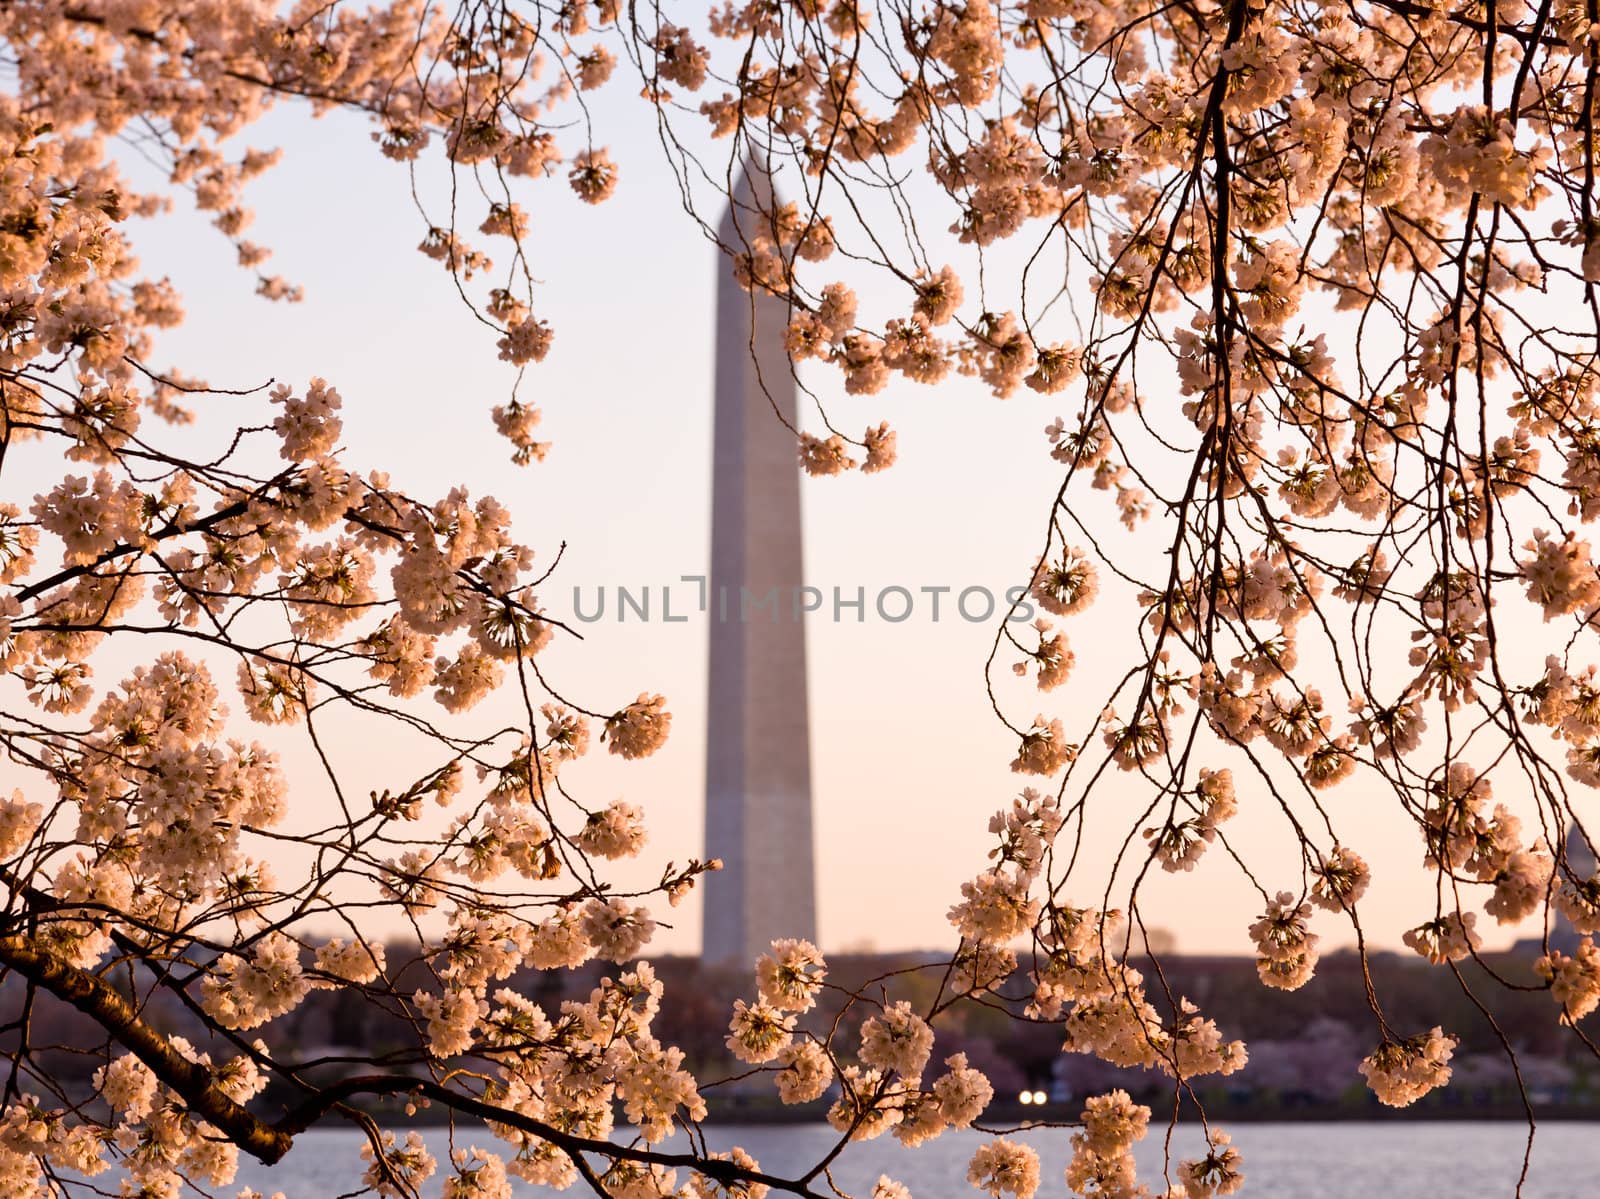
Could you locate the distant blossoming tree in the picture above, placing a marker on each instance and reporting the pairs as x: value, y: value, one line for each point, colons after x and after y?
x: 1149, y: 209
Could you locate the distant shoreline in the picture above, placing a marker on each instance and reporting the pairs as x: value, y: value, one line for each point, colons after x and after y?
x: 1012, y: 1115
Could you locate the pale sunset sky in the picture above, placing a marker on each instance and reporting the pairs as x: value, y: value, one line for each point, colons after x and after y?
x: 908, y: 761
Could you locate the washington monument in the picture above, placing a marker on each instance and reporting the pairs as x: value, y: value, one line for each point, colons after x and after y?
x: 758, y: 763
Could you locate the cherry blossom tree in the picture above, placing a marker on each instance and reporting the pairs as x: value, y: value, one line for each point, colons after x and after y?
x: 1142, y: 209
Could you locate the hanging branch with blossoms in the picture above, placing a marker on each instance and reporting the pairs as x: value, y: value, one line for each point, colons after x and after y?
x: 1414, y: 181
x: 1144, y: 210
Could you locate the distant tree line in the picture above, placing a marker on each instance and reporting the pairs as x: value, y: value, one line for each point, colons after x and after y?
x: 1304, y: 1046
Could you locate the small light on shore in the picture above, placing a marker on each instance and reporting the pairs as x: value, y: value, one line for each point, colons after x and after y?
x: 1040, y: 1097
x: 1025, y: 1097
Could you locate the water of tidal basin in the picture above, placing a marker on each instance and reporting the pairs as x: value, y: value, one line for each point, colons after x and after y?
x: 1411, y: 1160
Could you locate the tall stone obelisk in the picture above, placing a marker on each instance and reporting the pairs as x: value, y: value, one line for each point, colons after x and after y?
x: 758, y: 755
x: 1580, y: 860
